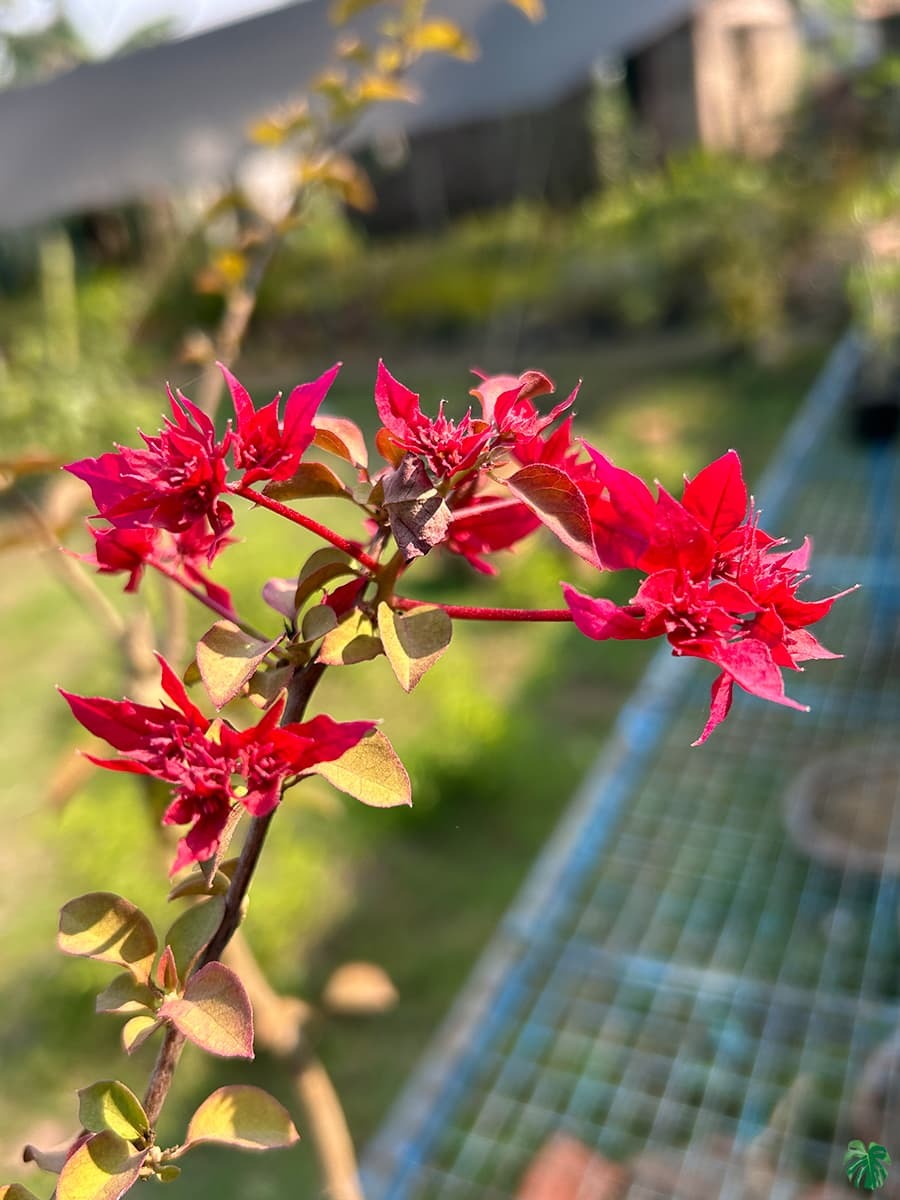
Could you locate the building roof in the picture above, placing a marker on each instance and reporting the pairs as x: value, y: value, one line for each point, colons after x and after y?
x: 175, y: 115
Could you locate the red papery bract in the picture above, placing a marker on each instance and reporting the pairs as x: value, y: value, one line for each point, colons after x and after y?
x: 718, y: 587
x: 210, y: 769
x: 173, y: 484
x: 265, y: 446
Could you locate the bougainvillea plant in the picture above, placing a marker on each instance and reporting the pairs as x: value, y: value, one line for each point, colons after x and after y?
x: 713, y: 583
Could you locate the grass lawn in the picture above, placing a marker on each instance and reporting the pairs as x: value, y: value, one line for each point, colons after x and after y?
x: 495, y: 739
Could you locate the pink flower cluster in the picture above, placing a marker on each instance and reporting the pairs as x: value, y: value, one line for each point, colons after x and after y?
x: 716, y: 585
x: 212, y: 767
x: 163, y: 502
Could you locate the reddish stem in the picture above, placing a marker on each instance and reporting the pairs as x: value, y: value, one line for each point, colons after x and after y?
x: 298, y: 518
x: 465, y: 612
x: 223, y: 610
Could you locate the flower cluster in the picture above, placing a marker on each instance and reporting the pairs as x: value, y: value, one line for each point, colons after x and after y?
x: 211, y: 767
x: 162, y: 503
x: 716, y: 585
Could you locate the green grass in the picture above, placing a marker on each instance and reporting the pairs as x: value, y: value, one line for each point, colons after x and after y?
x: 495, y: 738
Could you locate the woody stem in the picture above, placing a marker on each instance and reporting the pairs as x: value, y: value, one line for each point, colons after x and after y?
x: 299, y: 692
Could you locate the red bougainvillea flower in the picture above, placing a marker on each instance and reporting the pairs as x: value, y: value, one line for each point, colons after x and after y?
x: 173, y: 484
x: 266, y: 447
x: 129, y: 551
x: 717, y: 586
x: 211, y: 766
x: 446, y: 447
x: 506, y: 404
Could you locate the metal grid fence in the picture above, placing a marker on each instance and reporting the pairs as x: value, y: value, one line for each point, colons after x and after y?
x: 675, y: 966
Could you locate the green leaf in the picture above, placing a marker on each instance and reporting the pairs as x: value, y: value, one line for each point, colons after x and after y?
x: 214, y: 1012
x: 125, y: 995
x: 413, y: 641
x: 168, y: 1173
x: 103, y: 1168
x: 317, y: 622
x: 241, y: 1116
x: 136, y: 1031
x: 193, y: 931
x: 196, y: 884
x: 320, y: 568
x: 110, y: 1105
x: 15, y: 1191
x: 352, y: 642
x: 371, y: 772
x: 311, y: 479
x: 867, y: 1168
x: 227, y: 657
x: 556, y: 501
x: 109, y: 928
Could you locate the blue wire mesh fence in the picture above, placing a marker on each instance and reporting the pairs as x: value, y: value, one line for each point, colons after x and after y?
x: 678, y: 976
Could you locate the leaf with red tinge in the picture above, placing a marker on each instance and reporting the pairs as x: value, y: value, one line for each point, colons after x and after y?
x: 311, y: 479
x: 559, y: 504
x: 419, y: 515
x: 227, y: 658
x: 103, y: 1168
x: 214, y: 1012
x: 717, y: 496
x: 241, y: 1116
x: 343, y: 438
x: 109, y: 928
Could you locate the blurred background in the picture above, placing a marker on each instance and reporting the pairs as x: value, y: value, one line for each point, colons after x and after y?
x: 683, y: 202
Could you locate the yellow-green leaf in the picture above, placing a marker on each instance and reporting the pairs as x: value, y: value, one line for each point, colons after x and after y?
x: 110, y: 1105
x: 352, y: 642
x: 413, y: 641
x: 125, y: 995
x: 103, y: 1168
x: 442, y: 37
x: 15, y: 1191
x: 267, y: 685
x: 241, y: 1116
x: 227, y: 657
x: 136, y: 1031
x: 311, y: 479
x: 109, y: 928
x: 193, y: 930
x: 371, y: 772
x: 214, y: 1012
